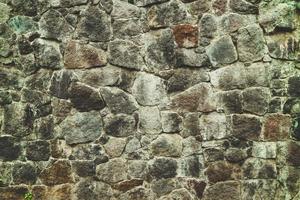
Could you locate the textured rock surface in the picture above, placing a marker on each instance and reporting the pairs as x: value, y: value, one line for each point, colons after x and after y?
x: 149, y: 99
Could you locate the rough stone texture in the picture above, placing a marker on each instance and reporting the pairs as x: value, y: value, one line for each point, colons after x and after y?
x: 149, y: 99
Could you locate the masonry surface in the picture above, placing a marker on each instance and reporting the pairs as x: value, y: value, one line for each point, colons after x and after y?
x: 149, y: 99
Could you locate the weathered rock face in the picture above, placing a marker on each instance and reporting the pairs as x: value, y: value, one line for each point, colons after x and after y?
x: 149, y: 99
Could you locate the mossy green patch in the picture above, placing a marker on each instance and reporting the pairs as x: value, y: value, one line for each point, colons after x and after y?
x: 22, y: 24
x: 4, y: 13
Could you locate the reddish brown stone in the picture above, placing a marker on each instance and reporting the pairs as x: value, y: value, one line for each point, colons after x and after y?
x: 13, y: 193
x: 59, y: 192
x: 186, y: 35
x: 219, y: 6
x: 58, y: 172
x: 221, y: 171
x: 78, y: 56
x: 127, y: 184
x: 276, y: 127
x: 198, y: 187
x: 223, y: 191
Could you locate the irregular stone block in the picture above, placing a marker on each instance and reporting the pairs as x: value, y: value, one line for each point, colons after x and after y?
x: 149, y: 90
x: 115, y: 170
x: 229, y: 78
x: 24, y: 173
x: 256, y: 168
x: 276, y: 127
x: 38, y: 151
x: 118, y: 101
x: 13, y: 192
x: 171, y: 122
x: 79, y: 56
x: 245, y: 127
x: 150, y: 120
x: 256, y: 100
x: 115, y: 146
x: 213, y: 126
x: 190, y: 166
x: 219, y: 171
x: 5, y: 11
x: 208, y: 26
x: 85, y: 98
x: 84, y: 168
x: 119, y: 125
x: 24, y: 7
x: 22, y: 24
x: 265, y: 150
x: 223, y: 190
x: 231, y: 101
x: 222, y: 51
x: 149, y: 2
x: 126, y: 54
x: 169, y: 145
x: 266, y: 189
x: 9, y: 149
x: 60, y: 83
x: 189, y: 58
x: 243, y: 7
x: 94, y: 25
x: 293, y: 154
x: 160, y: 168
x: 186, y: 35
x: 57, y: 173
x: 251, y: 43
x: 81, y: 127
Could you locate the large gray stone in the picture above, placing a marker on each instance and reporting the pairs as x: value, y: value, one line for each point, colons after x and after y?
x: 251, y: 43
x: 169, y: 145
x: 112, y: 171
x: 82, y: 127
x: 222, y: 51
x: 120, y: 125
x: 126, y: 54
x: 256, y: 100
x: 149, y: 90
x: 150, y: 120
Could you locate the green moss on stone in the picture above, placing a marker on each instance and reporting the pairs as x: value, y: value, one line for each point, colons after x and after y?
x: 22, y: 24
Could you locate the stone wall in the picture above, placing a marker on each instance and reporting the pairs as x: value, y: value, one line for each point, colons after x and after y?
x: 149, y: 99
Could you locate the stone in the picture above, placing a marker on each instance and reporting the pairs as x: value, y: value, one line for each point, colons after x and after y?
x: 293, y: 85
x: 197, y: 98
x: 265, y: 150
x: 85, y: 98
x: 295, y: 128
x: 18, y: 119
x: 189, y: 58
x: 258, y: 75
x: 148, y: 89
x: 235, y: 155
x: 67, y: 3
x: 5, y: 97
x: 160, y: 50
x: 119, y: 125
x: 191, y: 146
x: 126, y: 28
x: 208, y: 26
x: 94, y: 25
x: 136, y: 168
x: 83, y: 152
x: 93, y: 190
x: 118, y: 101
x: 9, y: 148
x: 58, y: 172
x: 99, y: 77
x: 276, y: 127
x: 125, y: 53
x: 266, y: 189
x: 115, y: 146
x: 84, y: 168
x: 213, y: 154
x: 125, y: 10
x: 137, y: 193
x: 164, y: 186
x: 256, y: 168
x: 13, y: 192
x: 149, y: 2
x: 127, y: 184
x: 219, y: 171
x: 60, y: 83
x: 198, y: 8
x: 219, y: 6
x: 115, y: 170
x: 83, y: 56
x: 231, y: 101
x: 223, y: 190
x: 171, y: 122
x: 256, y: 100
x: 230, y: 77
x: 150, y: 120
x: 179, y: 193
x: 232, y: 22
x: 190, y: 166
x: 213, y: 126
x: 246, y: 127
x: 38, y: 151
x: 243, y: 7
x: 24, y: 173
x: 251, y: 43
x: 53, y: 25
x: 278, y: 17
x: 63, y: 191
x: 222, y: 51
x: 160, y: 168
x: 81, y: 127
x: 293, y: 154
x: 168, y: 145
x: 186, y: 35
x: 5, y: 11
x: 164, y: 15
x: 22, y: 24
x: 47, y: 54
x: 191, y: 125
x: 181, y: 79
x: 24, y: 7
